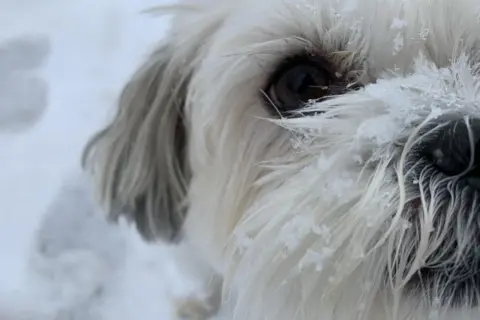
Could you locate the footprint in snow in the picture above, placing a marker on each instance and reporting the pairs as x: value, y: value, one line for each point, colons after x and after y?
x: 23, y: 92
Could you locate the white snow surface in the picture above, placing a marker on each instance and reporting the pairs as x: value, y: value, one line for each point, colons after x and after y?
x: 62, y: 64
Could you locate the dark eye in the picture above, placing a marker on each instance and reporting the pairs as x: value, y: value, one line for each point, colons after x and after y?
x: 296, y: 83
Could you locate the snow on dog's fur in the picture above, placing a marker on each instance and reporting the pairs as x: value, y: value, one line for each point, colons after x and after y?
x: 329, y: 211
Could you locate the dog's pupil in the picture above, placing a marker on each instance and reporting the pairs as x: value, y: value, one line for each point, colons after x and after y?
x: 300, y: 82
x: 305, y: 82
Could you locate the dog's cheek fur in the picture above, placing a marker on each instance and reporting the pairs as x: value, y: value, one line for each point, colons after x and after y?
x: 139, y: 160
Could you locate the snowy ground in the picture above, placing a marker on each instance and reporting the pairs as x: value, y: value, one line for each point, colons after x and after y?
x: 61, y: 66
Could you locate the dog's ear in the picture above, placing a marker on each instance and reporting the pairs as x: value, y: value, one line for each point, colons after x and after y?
x: 138, y: 160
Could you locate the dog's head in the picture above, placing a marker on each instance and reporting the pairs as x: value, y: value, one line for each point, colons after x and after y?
x: 321, y: 153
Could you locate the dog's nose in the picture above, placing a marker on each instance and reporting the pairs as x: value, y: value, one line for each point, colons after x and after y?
x: 454, y: 149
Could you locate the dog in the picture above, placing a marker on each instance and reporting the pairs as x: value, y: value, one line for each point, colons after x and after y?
x: 311, y: 159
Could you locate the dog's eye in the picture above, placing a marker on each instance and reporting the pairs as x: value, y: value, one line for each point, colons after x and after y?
x: 295, y: 84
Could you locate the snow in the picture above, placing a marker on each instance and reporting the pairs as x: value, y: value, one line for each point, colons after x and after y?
x: 62, y: 64
x: 398, y: 24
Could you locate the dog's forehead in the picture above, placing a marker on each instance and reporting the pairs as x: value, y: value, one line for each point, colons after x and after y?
x: 375, y: 12
x: 389, y: 32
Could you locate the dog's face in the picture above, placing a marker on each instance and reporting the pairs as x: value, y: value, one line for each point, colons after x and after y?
x: 321, y: 154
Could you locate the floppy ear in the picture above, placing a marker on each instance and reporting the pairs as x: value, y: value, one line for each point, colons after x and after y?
x: 138, y: 160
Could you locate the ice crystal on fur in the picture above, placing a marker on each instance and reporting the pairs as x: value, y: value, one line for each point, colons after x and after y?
x: 398, y: 24
x: 315, y: 259
x: 398, y: 43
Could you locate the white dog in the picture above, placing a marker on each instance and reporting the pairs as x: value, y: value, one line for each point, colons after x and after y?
x: 318, y: 157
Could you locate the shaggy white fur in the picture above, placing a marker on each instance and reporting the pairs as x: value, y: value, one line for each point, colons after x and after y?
x: 332, y: 213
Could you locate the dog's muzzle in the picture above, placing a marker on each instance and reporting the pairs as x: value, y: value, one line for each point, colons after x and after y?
x: 443, y: 174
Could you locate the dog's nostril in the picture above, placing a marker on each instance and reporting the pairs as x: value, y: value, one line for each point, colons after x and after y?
x: 454, y: 149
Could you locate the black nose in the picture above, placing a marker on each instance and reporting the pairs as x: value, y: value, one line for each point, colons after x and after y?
x: 454, y: 149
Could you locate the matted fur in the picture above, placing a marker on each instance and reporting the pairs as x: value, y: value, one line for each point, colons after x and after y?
x: 329, y: 215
